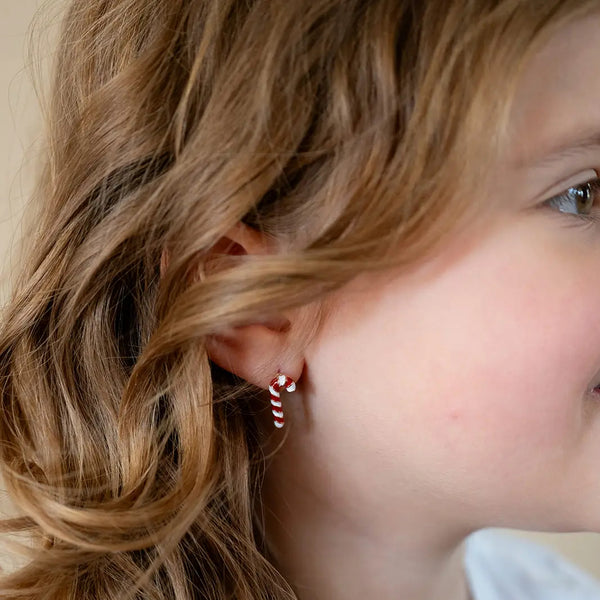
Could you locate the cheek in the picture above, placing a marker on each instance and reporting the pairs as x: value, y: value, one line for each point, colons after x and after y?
x: 501, y: 356
x: 470, y: 384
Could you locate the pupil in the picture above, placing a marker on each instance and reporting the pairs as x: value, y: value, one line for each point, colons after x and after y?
x: 583, y: 195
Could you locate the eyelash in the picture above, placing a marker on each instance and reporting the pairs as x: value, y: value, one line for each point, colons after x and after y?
x: 594, y: 216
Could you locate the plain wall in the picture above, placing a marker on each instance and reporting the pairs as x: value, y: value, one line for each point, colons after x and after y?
x: 20, y: 133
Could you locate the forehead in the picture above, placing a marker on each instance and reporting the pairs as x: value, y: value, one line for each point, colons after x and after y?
x: 558, y: 98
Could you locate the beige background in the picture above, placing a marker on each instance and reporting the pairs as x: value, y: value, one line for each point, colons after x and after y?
x: 20, y: 133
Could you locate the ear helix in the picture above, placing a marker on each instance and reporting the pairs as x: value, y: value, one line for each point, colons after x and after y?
x: 280, y: 381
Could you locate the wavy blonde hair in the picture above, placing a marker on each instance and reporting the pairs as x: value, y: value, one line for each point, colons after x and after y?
x: 351, y: 133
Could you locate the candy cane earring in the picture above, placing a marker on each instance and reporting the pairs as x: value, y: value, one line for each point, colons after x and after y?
x: 276, y: 406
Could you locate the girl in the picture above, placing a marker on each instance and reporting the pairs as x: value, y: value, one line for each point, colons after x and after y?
x: 310, y: 300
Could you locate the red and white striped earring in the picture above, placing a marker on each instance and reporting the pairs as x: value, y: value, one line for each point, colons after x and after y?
x: 276, y: 406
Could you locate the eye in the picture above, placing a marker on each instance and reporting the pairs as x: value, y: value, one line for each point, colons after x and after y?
x: 578, y: 200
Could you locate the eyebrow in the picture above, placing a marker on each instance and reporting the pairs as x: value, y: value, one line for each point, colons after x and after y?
x: 584, y: 142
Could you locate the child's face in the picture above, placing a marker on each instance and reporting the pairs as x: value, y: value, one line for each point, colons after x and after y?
x: 465, y: 382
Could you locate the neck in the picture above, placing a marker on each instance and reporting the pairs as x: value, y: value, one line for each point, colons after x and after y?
x: 341, y: 549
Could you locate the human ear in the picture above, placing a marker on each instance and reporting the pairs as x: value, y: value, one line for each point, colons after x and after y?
x: 257, y: 351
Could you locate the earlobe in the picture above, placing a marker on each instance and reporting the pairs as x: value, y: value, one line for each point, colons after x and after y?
x: 255, y: 353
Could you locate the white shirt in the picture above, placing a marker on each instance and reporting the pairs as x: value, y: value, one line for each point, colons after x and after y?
x: 500, y: 566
